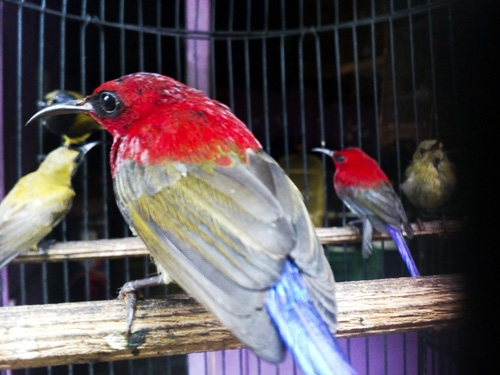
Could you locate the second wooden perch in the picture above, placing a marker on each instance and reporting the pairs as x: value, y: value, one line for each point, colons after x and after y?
x: 48, y: 335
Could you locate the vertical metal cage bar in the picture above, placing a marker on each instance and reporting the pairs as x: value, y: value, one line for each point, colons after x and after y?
x: 413, y: 77
x: 321, y: 109
x: 41, y: 54
x: 229, y: 46
x: 451, y: 32
x: 373, y: 46
x: 283, y: 87
x: 303, y: 131
x: 19, y: 143
x: 265, y: 83
x: 248, y: 86
x: 356, y: 73
x: 121, y: 20
x: 178, y: 62
x: 433, y: 72
x: 41, y: 57
x: 338, y: 74
x: 140, y: 23
x: 4, y: 273
x: 394, y: 92
x: 159, y: 58
x: 213, y: 75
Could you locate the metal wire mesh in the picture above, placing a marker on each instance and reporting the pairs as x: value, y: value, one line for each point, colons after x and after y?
x: 379, y: 75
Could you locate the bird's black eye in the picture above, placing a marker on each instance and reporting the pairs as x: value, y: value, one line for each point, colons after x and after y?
x: 106, y: 104
x: 423, y: 151
x: 339, y: 158
x: 109, y: 101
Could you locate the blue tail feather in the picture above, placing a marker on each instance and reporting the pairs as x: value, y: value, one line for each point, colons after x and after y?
x: 304, y: 332
x: 398, y: 238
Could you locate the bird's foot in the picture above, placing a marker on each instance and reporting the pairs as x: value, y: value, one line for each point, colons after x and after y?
x: 44, y: 246
x: 443, y: 223
x: 355, y: 222
x: 420, y: 224
x: 130, y: 292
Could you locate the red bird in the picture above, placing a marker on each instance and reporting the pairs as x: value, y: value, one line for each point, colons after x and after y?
x: 219, y: 216
x: 366, y: 191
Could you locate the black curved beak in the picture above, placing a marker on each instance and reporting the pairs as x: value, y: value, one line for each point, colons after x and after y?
x: 87, y: 147
x: 73, y: 106
x: 436, y: 146
x: 324, y: 151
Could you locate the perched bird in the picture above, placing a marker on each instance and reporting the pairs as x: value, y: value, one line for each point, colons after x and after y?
x: 73, y: 128
x: 366, y: 191
x: 430, y: 178
x: 38, y: 202
x: 219, y: 216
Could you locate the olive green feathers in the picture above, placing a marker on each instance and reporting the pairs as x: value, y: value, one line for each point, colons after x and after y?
x: 38, y: 202
x: 430, y: 177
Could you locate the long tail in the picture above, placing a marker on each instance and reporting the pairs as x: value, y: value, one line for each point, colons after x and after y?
x: 398, y: 238
x: 304, y: 332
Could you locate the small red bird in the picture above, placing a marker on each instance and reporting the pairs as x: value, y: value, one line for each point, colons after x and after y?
x: 366, y: 191
x: 219, y: 216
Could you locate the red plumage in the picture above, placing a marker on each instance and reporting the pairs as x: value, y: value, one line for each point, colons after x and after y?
x: 366, y: 191
x: 163, y: 119
x: 357, y: 169
x: 219, y: 216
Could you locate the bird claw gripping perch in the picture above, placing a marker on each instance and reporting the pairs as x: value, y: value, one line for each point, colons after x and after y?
x: 130, y: 292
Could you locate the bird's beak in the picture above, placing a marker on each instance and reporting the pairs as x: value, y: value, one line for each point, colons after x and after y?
x: 324, y: 151
x: 435, y: 146
x: 73, y: 106
x: 82, y: 150
x: 87, y: 147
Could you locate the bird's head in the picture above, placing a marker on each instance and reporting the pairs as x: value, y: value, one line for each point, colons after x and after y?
x: 153, y: 118
x: 116, y: 104
x: 346, y: 157
x: 429, y: 150
x: 354, y: 166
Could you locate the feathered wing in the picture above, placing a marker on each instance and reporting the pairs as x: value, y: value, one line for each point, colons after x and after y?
x: 224, y: 235
x: 28, y: 213
x: 384, y: 210
x: 381, y: 206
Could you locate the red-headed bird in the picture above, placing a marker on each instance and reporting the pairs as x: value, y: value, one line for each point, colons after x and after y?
x: 219, y: 216
x: 366, y: 191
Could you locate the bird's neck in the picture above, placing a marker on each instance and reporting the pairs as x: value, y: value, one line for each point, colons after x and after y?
x: 60, y: 174
x: 189, y: 136
x: 360, y: 177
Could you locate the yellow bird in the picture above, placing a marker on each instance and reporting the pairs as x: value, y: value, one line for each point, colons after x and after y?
x: 73, y: 128
x: 430, y: 177
x: 38, y: 202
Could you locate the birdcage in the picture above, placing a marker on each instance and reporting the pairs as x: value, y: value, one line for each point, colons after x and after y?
x: 379, y: 75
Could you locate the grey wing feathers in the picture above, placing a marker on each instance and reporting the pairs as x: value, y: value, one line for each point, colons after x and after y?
x: 307, y: 252
x: 24, y: 226
x: 224, y: 234
x: 381, y: 206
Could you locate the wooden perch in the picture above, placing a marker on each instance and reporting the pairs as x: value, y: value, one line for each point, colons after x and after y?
x: 48, y: 335
x: 120, y: 248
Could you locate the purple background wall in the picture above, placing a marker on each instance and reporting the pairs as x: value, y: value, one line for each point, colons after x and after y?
x: 368, y: 355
